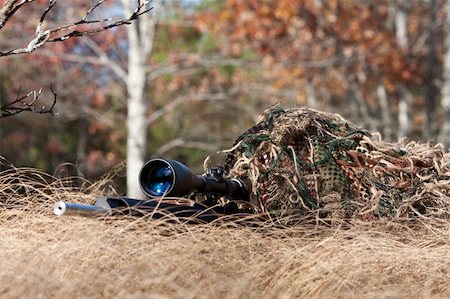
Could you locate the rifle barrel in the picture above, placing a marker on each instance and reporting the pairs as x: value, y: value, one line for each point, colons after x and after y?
x: 76, y: 209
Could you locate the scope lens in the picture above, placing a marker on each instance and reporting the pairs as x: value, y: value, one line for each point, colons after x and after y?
x: 160, y: 180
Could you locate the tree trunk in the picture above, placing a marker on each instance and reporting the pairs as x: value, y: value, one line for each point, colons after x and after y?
x: 401, y: 33
x: 361, y: 112
x: 444, y: 135
x: 137, y: 137
x: 404, y: 123
x: 432, y: 90
x: 140, y: 42
x: 385, y: 111
x: 401, y: 26
x: 311, y: 100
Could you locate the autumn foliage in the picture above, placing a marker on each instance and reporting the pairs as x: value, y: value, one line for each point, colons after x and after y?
x: 216, y: 66
x: 338, y: 54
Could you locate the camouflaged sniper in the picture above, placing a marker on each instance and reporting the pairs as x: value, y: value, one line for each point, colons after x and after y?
x: 298, y: 161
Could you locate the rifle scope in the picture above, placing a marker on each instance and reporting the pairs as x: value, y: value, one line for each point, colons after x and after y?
x: 160, y: 177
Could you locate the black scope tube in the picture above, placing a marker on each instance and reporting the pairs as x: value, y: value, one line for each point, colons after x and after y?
x: 170, y: 178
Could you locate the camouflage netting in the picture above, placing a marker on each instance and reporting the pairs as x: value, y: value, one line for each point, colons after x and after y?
x: 298, y: 161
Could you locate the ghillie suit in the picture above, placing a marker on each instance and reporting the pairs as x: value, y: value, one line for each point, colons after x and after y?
x: 298, y: 161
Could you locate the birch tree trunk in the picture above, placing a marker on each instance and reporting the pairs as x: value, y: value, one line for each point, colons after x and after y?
x: 401, y: 25
x: 432, y: 91
x: 311, y: 100
x: 140, y: 42
x: 385, y: 111
x: 401, y: 32
x: 444, y: 135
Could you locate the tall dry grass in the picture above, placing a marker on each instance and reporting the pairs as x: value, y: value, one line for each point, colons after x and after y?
x: 45, y: 256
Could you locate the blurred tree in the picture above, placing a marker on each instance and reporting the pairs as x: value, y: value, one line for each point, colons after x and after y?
x: 86, y: 23
x: 445, y: 90
x: 400, y: 10
x: 372, y: 60
x: 184, y: 104
x: 433, y: 71
x: 140, y: 44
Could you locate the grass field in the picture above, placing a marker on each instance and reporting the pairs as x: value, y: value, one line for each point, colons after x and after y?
x: 42, y: 255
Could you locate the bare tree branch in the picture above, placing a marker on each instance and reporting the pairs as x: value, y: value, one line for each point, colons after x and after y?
x: 57, y: 34
x: 66, y: 31
x: 180, y: 69
x: 105, y: 60
x: 169, y: 107
x: 186, y: 144
x: 9, y: 9
x: 27, y: 103
x: 101, y: 60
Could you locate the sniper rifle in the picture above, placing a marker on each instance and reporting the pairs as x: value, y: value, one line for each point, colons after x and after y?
x: 172, y: 189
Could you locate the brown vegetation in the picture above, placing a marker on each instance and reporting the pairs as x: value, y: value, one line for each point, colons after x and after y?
x: 47, y: 256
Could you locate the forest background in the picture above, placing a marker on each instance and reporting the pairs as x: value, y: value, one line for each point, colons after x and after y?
x: 200, y: 72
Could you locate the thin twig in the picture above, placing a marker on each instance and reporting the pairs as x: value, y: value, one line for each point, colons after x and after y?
x: 26, y: 103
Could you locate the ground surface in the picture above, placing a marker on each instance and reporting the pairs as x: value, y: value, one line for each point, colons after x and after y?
x: 45, y: 256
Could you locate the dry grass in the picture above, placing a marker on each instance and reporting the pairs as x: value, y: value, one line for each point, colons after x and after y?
x: 47, y: 256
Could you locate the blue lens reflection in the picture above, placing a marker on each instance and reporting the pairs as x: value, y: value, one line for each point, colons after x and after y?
x: 160, y: 180
x: 163, y: 172
x: 159, y: 188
